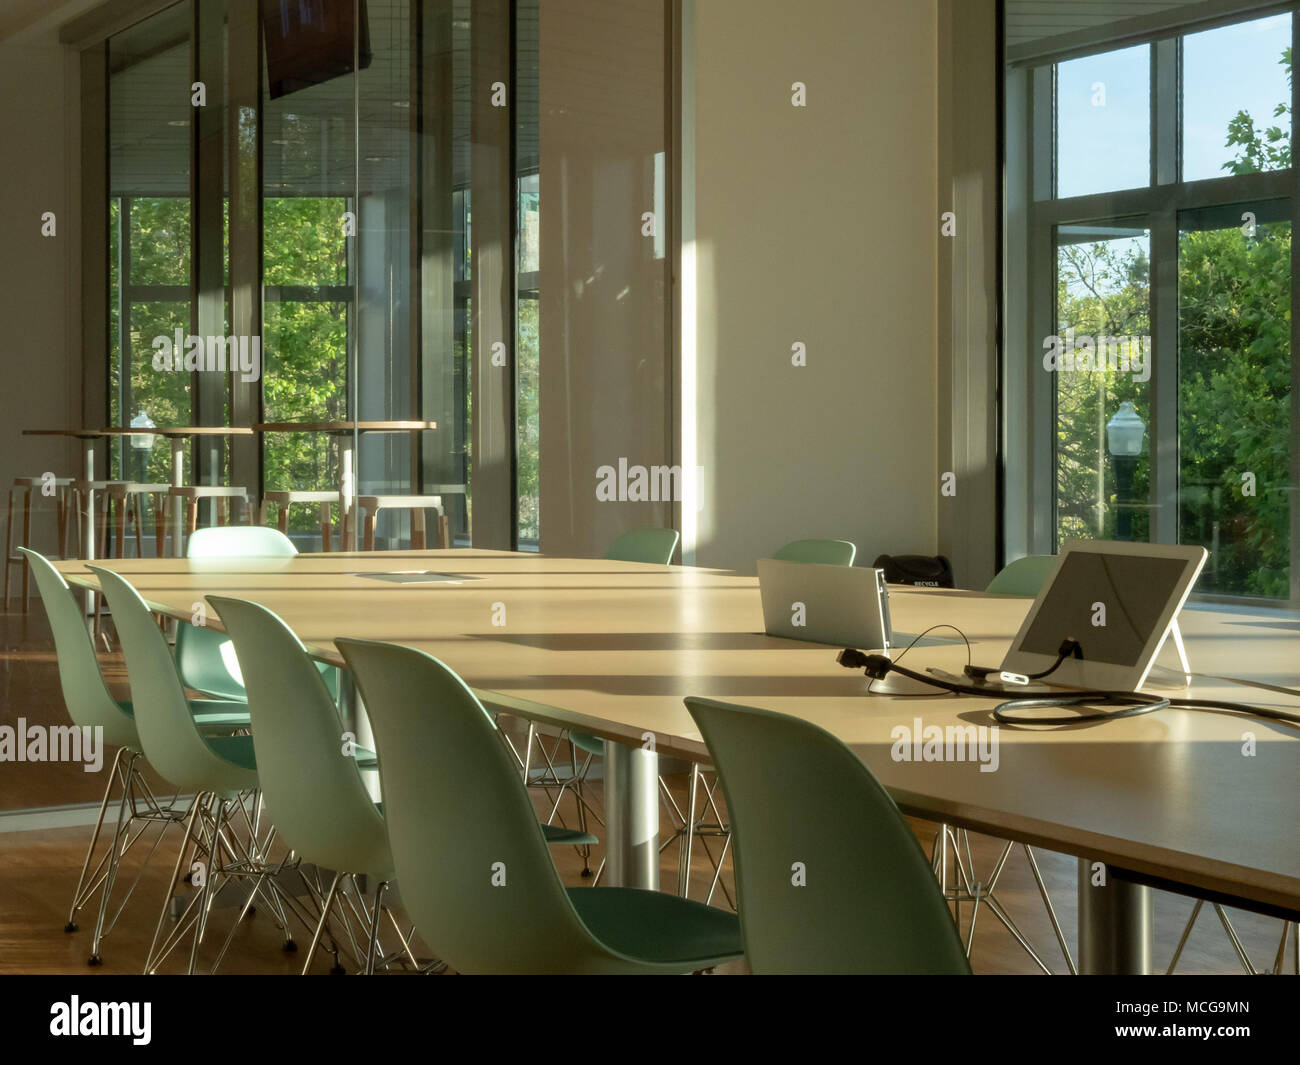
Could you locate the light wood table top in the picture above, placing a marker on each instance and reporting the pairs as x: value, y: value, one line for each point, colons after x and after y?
x: 80, y: 434
x: 612, y: 648
x: 342, y: 427
x: 178, y: 430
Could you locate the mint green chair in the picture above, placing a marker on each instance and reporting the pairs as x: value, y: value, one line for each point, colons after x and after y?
x: 221, y: 772
x: 476, y: 877
x: 644, y: 545
x: 90, y: 705
x: 199, y: 650
x: 1023, y: 577
x: 829, y: 876
x: 823, y: 552
x: 311, y: 782
x: 310, y: 779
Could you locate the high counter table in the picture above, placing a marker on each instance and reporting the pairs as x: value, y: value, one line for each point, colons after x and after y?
x: 611, y: 648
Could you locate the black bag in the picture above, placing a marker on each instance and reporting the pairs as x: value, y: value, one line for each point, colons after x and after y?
x: 921, y: 571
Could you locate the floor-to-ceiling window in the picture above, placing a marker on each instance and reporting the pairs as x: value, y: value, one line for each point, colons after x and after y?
x: 148, y: 260
x: 1149, y: 300
x: 327, y: 171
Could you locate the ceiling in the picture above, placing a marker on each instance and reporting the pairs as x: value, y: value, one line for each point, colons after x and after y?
x: 1030, y: 20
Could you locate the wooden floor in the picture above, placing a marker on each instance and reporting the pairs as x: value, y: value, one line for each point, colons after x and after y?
x: 38, y: 869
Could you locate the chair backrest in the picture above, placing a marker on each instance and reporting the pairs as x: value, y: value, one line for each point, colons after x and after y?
x: 644, y: 545
x: 168, y: 734
x: 474, y: 870
x: 830, y: 878
x: 239, y: 541
x: 199, y: 650
x: 89, y: 702
x: 825, y: 552
x: 1025, y: 576
x: 309, y: 777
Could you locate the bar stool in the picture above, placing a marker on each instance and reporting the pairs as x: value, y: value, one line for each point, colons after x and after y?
x: 62, y: 514
x: 283, y: 500
x: 125, y: 505
x: 192, y: 493
x: 417, y: 505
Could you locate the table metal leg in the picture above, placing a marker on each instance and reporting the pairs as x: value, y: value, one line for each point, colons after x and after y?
x: 177, y: 507
x: 87, y: 522
x: 1115, y: 924
x: 88, y: 516
x: 347, y: 495
x: 631, y: 817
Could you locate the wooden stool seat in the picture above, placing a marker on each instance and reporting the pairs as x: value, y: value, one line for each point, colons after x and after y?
x: 192, y: 493
x: 282, y: 501
x: 417, y: 505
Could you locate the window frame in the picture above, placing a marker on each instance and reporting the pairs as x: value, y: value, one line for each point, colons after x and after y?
x: 1032, y: 214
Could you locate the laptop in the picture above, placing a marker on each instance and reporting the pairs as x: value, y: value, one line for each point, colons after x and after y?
x: 843, y: 605
x: 1118, y: 600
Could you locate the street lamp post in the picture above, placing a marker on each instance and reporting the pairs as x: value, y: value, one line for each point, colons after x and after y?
x: 1124, y: 435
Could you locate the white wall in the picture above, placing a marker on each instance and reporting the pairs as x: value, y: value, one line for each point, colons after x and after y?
x: 818, y: 225
x: 39, y: 354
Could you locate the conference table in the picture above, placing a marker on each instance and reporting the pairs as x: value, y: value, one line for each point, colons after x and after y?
x: 1196, y: 802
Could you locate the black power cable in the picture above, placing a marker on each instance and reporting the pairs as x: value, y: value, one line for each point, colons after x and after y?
x: 1126, y: 704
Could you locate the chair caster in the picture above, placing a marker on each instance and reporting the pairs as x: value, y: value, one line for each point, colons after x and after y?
x: 95, y: 960
x: 289, y: 947
x: 72, y: 926
x: 587, y: 874
x: 338, y: 970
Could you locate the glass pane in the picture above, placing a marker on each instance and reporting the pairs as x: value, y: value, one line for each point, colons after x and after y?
x: 527, y: 264
x: 1234, y: 396
x: 160, y: 241
x: 149, y: 113
x: 1100, y: 357
x: 308, y: 208
x: 1237, y: 99
x: 165, y: 397
x: 1103, y: 122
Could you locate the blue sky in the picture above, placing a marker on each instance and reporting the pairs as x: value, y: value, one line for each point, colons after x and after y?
x: 1103, y: 148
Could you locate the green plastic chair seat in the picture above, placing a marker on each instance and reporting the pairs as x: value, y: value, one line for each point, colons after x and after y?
x: 172, y: 741
x: 586, y: 742
x: 823, y: 552
x: 658, y: 928
x: 572, y: 836
x: 654, y: 546
x: 199, y: 650
x: 219, y: 713
x: 476, y: 877
x: 800, y: 801
x: 238, y: 750
x: 208, y: 713
x: 86, y: 695
x: 1023, y: 577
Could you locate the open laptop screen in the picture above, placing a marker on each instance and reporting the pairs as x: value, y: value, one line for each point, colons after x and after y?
x: 1133, y: 591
